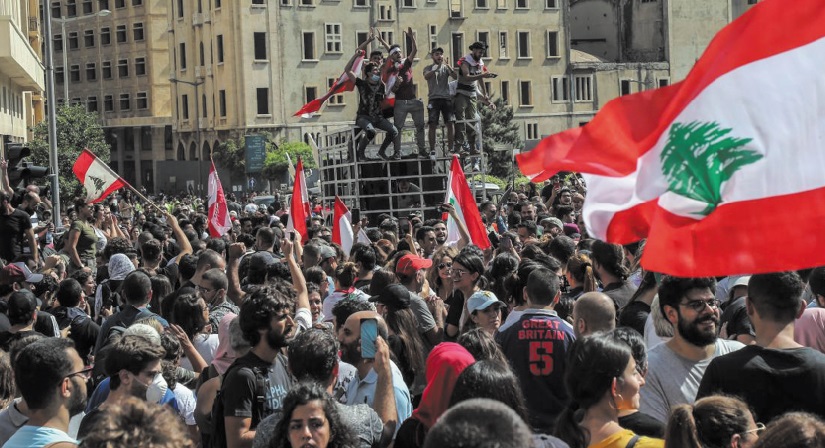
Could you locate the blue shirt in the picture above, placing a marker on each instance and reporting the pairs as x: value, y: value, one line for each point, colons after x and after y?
x: 37, y: 436
x: 102, y: 392
x: 363, y: 391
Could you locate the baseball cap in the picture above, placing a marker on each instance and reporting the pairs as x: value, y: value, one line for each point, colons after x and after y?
x: 261, y: 259
x: 22, y: 304
x: 18, y: 272
x: 741, y: 281
x: 481, y: 300
x: 409, y: 264
x: 395, y: 297
x: 328, y: 252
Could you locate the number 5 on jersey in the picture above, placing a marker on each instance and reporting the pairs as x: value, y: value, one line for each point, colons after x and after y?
x: 541, y: 358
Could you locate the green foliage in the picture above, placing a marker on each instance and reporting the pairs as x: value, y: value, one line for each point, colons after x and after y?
x: 500, y: 183
x: 231, y: 156
x: 76, y: 130
x: 699, y: 157
x: 498, y: 128
x: 276, y: 163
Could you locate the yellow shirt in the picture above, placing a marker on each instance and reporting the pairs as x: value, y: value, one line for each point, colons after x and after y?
x: 621, y: 438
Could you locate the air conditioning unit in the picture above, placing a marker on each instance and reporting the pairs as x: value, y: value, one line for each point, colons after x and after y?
x: 199, y: 72
x: 197, y: 19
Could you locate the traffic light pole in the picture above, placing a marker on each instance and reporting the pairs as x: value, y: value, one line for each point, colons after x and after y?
x: 52, y: 113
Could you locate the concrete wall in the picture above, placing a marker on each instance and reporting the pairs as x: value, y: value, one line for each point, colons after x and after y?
x: 594, y: 28
x: 690, y: 26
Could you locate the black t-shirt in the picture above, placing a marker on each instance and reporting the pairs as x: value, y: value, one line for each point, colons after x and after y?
x: 634, y: 315
x: 643, y: 425
x: 771, y: 381
x: 406, y: 88
x: 240, y: 390
x: 8, y: 338
x: 88, y: 421
x: 12, y: 227
x: 620, y: 293
x: 735, y: 319
x: 370, y: 98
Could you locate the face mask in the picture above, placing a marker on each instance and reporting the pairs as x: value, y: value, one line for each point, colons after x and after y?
x: 375, y: 78
x: 153, y: 392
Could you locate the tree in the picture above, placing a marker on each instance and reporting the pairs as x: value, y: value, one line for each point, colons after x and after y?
x: 231, y: 156
x: 498, y: 128
x: 276, y: 163
x: 76, y: 130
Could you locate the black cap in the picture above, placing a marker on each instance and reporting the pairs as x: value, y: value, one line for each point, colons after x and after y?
x: 479, y: 45
x: 437, y: 50
x: 395, y: 297
x: 22, y: 305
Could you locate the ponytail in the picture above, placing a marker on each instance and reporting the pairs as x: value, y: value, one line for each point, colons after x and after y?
x: 589, y: 279
x: 681, y: 428
x: 569, y: 429
x: 581, y: 269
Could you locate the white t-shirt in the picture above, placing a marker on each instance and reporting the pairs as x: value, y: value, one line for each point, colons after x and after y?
x: 206, y: 345
x: 186, y: 401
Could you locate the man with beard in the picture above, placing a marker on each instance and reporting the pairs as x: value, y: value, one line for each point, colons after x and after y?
x: 363, y: 388
x: 676, y: 367
x: 255, y: 384
x: 52, y: 379
x: 132, y: 363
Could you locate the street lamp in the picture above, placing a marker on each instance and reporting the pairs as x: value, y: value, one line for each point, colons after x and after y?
x: 63, y: 21
x: 197, y: 125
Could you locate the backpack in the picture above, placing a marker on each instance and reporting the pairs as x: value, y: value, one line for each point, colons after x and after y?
x: 218, y: 437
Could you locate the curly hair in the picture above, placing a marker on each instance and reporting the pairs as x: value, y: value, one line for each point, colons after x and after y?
x: 134, y: 422
x: 339, y: 435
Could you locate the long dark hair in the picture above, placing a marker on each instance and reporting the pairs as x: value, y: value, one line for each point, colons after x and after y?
x: 301, y: 394
x: 474, y: 264
x: 187, y: 313
x: 592, y: 365
x: 405, y: 327
x: 503, y: 267
x: 493, y: 380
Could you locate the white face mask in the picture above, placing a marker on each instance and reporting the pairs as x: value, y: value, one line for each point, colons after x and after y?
x: 157, y: 389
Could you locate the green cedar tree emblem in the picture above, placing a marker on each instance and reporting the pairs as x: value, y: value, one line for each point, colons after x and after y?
x: 699, y: 158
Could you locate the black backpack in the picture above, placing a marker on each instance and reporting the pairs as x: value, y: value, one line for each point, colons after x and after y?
x: 218, y: 436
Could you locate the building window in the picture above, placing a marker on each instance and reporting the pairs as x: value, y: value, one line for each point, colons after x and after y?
x: 457, y: 46
x: 121, y: 34
x: 560, y: 86
x: 307, y: 3
x: 257, y: 2
x: 222, y: 102
x: 456, y: 9
x: 624, y: 87
x: 433, y: 31
x: 552, y: 4
x: 125, y: 101
x: 123, y: 68
x: 361, y: 3
x: 260, y: 46
x: 119, y: 4
x: 385, y: 12
x: 180, y: 8
x: 482, y: 4
x: 74, y: 42
x: 91, y: 104
x: 523, y: 44
x: 334, y: 99
x: 408, y: 4
x: 102, y: 4
x: 308, y: 46
x: 532, y: 131
x: 522, y: 4
x: 408, y: 42
x: 137, y: 31
x: 502, y: 45
x: 141, y: 101
x: 88, y: 7
x: 106, y: 69
x: 505, y: 92
x: 56, y: 11
x: 89, y: 38
x: 664, y: 82
x: 71, y: 8
x: 184, y: 106
x: 310, y: 93
x: 263, y: 101
x: 501, y: 4
x: 91, y: 71
x: 182, y: 56
x: 203, y: 106
x: 388, y: 37
x: 140, y: 66
x: 360, y: 37
x: 137, y: 2
x: 750, y: 2
x: 552, y: 44
x: 584, y: 87
x: 109, y: 103
x: 105, y: 36
x: 58, y: 42
x: 219, y: 41
x: 332, y: 37
x: 58, y: 76
x: 217, y: 4
x: 525, y: 93
x: 286, y: 2
x: 483, y: 36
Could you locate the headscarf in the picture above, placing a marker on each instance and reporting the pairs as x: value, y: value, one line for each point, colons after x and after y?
x: 809, y: 329
x: 120, y: 266
x: 446, y: 361
x: 225, y: 355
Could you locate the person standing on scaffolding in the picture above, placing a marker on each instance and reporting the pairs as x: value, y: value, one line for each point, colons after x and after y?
x: 438, y: 76
x: 468, y: 90
x: 399, y: 76
x: 371, y: 94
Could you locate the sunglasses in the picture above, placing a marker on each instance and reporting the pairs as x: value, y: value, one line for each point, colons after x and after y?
x: 445, y: 265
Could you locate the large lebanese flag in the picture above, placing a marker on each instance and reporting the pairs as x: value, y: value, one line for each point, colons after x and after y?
x: 342, y: 233
x: 219, y: 221
x: 343, y: 84
x: 723, y: 171
x: 96, y: 176
x: 461, y: 197
x: 299, y: 205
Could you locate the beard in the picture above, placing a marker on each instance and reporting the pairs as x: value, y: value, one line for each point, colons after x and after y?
x: 77, y: 401
x: 139, y: 390
x: 690, y: 330
x: 350, y: 353
x: 441, y: 239
x: 278, y: 340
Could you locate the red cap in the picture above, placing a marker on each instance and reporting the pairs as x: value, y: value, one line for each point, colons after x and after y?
x: 409, y: 264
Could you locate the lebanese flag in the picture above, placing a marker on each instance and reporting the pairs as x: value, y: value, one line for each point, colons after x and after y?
x: 343, y: 84
x: 461, y: 197
x: 299, y: 205
x: 342, y: 233
x: 722, y: 172
x: 97, y: 178
x: 219, y: 219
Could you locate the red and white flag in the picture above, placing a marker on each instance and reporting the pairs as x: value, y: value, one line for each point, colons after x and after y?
x: 219, y: 220
x: 97, y: 178
x: 343, y: 84
x: 461, y: 197
x: 342, y: 233
x: 299, y: 205
x: 722, y: 172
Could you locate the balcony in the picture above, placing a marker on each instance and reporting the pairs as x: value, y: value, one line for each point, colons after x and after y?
x: 18, y: 59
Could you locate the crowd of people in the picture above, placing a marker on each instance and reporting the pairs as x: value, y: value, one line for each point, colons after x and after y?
x: 134, y: 327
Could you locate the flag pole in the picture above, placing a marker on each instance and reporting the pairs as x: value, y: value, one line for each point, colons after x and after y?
x: 140, y: 195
